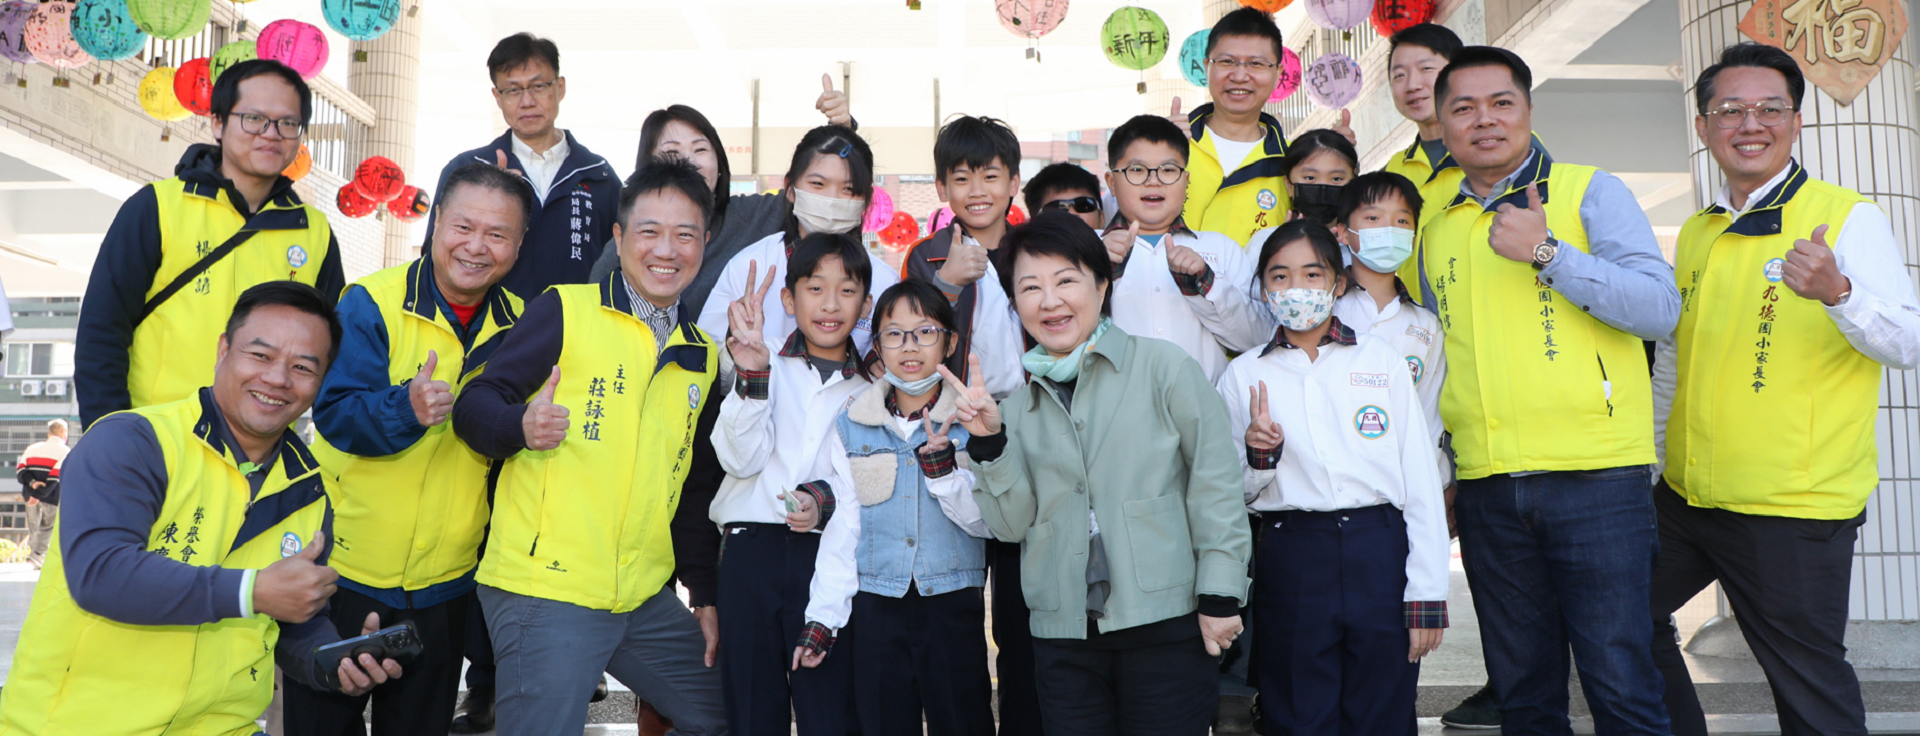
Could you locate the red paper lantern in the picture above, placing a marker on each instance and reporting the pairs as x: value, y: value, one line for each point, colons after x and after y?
x: 1015, y: 215
x: 901, y: 232
x: 193, y: 86
x: 1393, y: 16
x: 352, y: 204
x: 379, y: 179
x: 1267, y: 6
x: 411, y: 205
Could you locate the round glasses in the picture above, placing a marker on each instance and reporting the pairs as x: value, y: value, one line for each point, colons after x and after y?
x: 925, y: 337
x: 1138, y: 174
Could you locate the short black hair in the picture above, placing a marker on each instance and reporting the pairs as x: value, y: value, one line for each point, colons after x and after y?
x: 656, y: 125
x: 1247, y: 21
x: 1149, y: 128
x: 516, y: 50
x: 488, y: 176
x: 287, y: 294
x: 1055, y: 178
x: 1325, y: 247
x: 1315, y: 141
x: 811, y: 250
x: 830, y: 140
x: 923, y: 298
x: 1750, y: 54
x: 1369, y: 188
x: 1470, y: 57
x: 1439, y: 39
x: 226, y: 89
x: 663, y: 173
x: 975, y: 142
x: 1054, y: 233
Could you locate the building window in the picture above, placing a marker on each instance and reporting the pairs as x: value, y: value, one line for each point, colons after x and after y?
x: 39, y: 359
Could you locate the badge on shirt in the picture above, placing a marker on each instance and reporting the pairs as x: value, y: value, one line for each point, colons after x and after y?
x: 693, y: 396
x: 290, y: 545
x: 1369, y: 380
x: 1266, y: 199
x: 1370, y: 422
x: 297, y: 256
x: 1774, y: 270
x: 1421, y: 334
x: 1418, y: 367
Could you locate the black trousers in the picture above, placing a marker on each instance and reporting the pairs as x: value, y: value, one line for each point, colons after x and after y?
x: 1168, y: 689
x: 420, y: 703
x: 922, y: 655
x: 765, y: 571
x: 1787, y: 581
x: 1012, y: 634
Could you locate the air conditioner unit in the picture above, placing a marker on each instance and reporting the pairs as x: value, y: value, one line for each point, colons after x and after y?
x: 56, y: 388
x: 29, y: 388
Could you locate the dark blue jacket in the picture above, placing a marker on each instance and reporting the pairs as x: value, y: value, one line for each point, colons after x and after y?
x: 573, y: 225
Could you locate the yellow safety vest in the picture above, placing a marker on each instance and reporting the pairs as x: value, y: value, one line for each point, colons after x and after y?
x: 1533, y: 382
x: 415, y: 518
x: 82, y: 674
x: 587, y: 523
x: 1237, y: 198
x: 173, y: 349
x: 1439, y: 182
x: 1773, y: 412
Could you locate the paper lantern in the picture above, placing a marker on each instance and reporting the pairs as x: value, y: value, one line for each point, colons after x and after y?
x: 1134, y: 38
x: 1030, y: 18
x: 879, y: 211
x: 1015, y: 215
x: 1267, y: 6
x: 228, y: 56
x: 1193, y: 57
x: 940, y: 218
x: 13, y: 31
x: 1333, y: 81
x: 105, y: 30
x: 361, y: 20
x: 411, y: 205
x: 156, y: 95
x: 49, y: 36
x: 301, y: 46
x: 1393, y: 16
x: 1289, y: 76
x: 170, y: 20
x: 1338, y: 15
x: 901, y: 231
x: 302, y: 163
x: 379, y: 179
x: 352, y: 204
x: 193, y: 86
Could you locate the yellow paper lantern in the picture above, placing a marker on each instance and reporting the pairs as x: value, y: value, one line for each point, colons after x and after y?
x: 156, y: 96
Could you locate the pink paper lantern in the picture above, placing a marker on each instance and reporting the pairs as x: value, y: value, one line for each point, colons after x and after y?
x: 1030, y: 18
x: 300, y: 46
x: 1338, y: 15
x: 879, y: 211
x: 1333, y: 81
x: 50, y: 36
x: 1289, y: 76
x: 940, y: 218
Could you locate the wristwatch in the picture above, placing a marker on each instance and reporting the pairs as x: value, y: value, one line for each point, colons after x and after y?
x: 1545, y: 252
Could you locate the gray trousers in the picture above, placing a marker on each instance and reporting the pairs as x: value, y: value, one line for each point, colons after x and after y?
x: 550, y: 655
x: 40, y: 518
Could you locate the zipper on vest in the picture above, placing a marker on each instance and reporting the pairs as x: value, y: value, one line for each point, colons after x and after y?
x: 1606, y: 386
x: 536, y: 545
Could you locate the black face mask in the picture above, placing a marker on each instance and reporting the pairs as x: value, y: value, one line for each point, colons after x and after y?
x: 1316, y: 202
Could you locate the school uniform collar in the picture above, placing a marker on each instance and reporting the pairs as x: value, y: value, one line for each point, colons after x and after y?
x: 425, y: 301
x: 1120, y: 222
x: 1337, y: 334
x: 796, y: 347
x: 1764, y: 208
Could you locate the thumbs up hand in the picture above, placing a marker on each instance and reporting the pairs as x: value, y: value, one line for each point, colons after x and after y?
x: 545, y: 423
x: 500, y: 160
x: 1345, y: 127
x: 1174, y: 114
x: 432, y: 400
x: 1120, y: 242
x: 832, y: 103
x: 296, y: 587
x: 1516, y: 231
x: 1812, y: 272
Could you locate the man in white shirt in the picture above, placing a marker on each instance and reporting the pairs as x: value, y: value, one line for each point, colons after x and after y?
x: 1794, y: 295
x: 39, y: 477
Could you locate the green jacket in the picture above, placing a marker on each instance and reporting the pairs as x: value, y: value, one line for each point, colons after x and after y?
x: 1147, y: 448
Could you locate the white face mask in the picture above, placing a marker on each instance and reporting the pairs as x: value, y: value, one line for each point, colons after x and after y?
x: 822, y: 214
x: 1300, y: 309
x: 1383, y: 249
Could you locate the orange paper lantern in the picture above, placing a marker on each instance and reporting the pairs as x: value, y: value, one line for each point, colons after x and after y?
x: 302, y: 164
x: 1267, y: 6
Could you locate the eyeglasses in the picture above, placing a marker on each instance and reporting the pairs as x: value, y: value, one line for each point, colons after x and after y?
x: 1252, y: 65
x: 1732, y: 115
x: 1138, y: 174
x: 256, y: 124
x: 925, y: 337
x: 1082, y: 205
x: 539, y: 90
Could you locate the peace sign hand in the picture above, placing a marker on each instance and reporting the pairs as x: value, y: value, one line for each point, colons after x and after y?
x: 975, y: 408
x: 746, y: 321
x: 938, y: 442
x: 1262, y: 433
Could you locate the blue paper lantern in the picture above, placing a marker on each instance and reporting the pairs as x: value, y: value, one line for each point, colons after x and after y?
x: 361, y: 20
x: 1193, y: 57
x: 106, y: 30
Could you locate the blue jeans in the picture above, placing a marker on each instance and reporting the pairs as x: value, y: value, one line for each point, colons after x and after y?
x: 1559, y: 559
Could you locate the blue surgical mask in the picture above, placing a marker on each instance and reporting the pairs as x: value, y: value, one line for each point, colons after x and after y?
x: 913, y: 388
x: 1041, y: 363
x: 1384, y: 249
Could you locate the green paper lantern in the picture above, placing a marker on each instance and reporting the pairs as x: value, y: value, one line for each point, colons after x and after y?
x: 230, y: 55
x: 1134, y: 38
x: 170, y: 20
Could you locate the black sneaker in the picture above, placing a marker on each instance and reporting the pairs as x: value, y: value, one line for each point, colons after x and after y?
x: 600, y: 690
x: 1479, y: 712
x: 476, y: 712
x: 1235, y: 716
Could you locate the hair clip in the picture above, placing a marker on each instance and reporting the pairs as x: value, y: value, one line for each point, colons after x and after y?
x: 846, y: 150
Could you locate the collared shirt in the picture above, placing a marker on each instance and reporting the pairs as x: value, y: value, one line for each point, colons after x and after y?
x: 1622, y: 279
x: 770, y: 431
x: 541, y: 168
x: 661, y: 320
x: 771, y: 252
x: 1414, y: 333
x: 1206, y: 316
x: 997, y: 335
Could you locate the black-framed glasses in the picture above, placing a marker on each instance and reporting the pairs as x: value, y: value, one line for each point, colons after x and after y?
x: 1731, y: 115
x: 1082, y: 205
x: 1138, y: 174
x: 1231, y: 64
x: 539, y: 89
x: 257, y: 124
x: 925, y: 337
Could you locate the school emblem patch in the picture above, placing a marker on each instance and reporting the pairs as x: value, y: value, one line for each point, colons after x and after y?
x: 296, y: 256
x: 1370, y: 422
x: 1774, y: 270
x: 1266, y: 199
x: 1418, y: 367
x: 290, y: 545
x: 693, y: 396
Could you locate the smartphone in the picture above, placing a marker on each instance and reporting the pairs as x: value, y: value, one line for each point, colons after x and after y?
x: 399, y: 643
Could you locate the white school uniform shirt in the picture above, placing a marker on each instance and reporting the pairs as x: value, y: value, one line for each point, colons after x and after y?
x: 997, y: 334
x: 1414, y: 333
x: 772, y: 251
x: 769, y: 447
x: 1147, y: 302
x: 836, y: 574
x: 1355, y: 436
